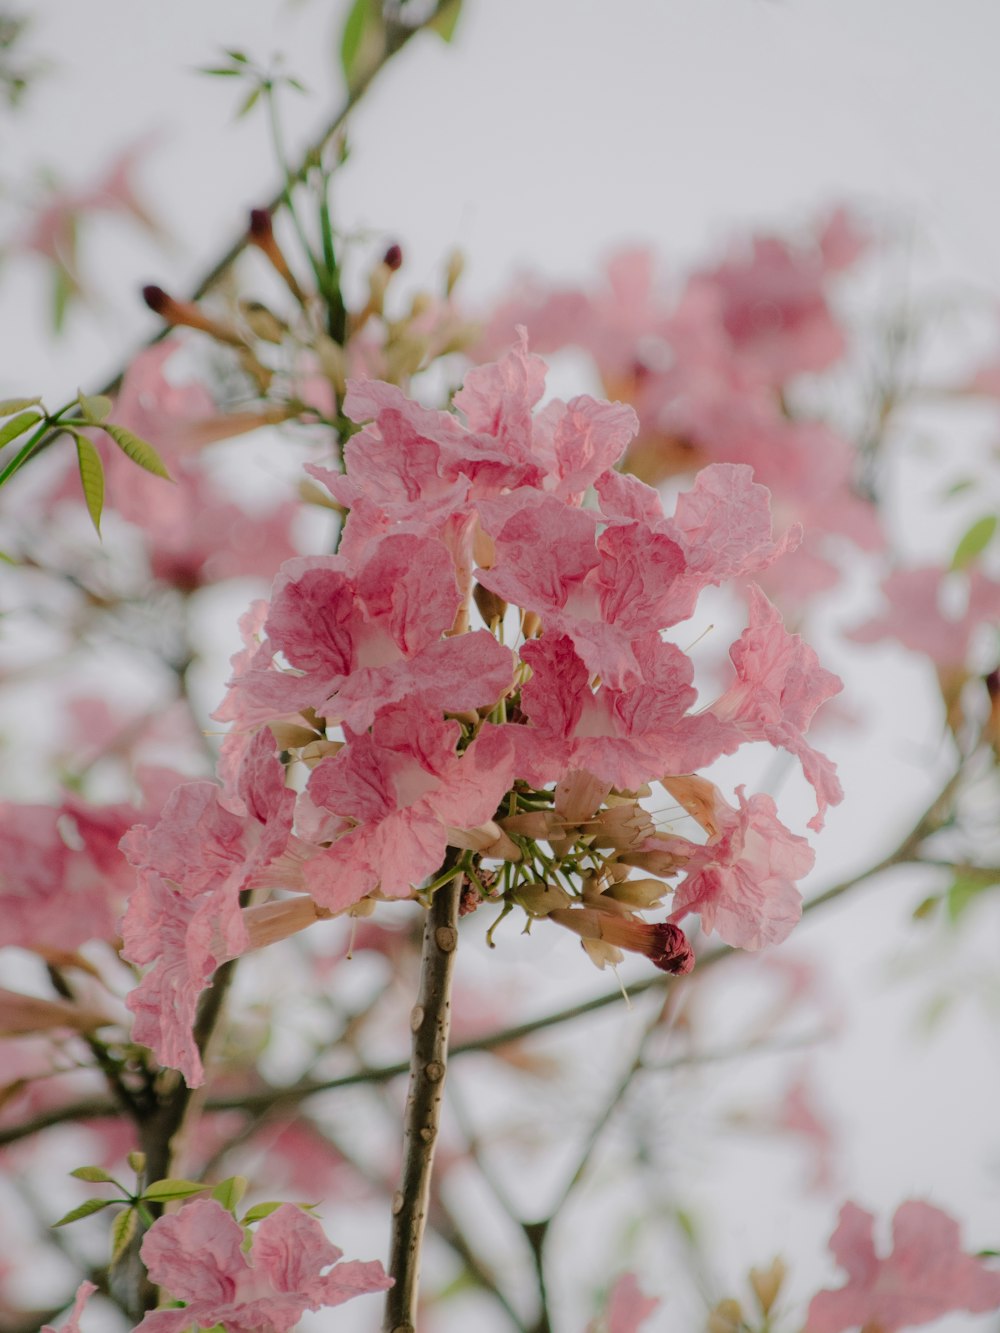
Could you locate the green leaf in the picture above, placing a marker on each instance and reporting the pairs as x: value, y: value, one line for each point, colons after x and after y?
x: 362, y: 43
x: 172, y: 1187
x: 94, y: 407
x: 9, y: 405
x: 94, y: 1173
x: 219, y: 71
x: 138, y: 450
x: 259, y: 1211
x: 230, y: 1192
x: 18, y: 425
x: 122, y: 1231
x: 249, y: 102
x: 961, y: 894
x: 445, y: 20
x: 974, y: 541
x: 91, y: 478
x: 84, y: 1210
x: 238, y: 57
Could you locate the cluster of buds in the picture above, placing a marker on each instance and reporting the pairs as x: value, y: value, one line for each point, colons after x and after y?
x: 320, y: 341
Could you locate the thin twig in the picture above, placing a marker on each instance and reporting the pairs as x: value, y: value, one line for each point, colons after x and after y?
x: 430, y: 1023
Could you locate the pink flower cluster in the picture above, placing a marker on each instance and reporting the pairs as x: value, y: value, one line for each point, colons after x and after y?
x: 711, y: 366
x: 419, y: 731
x: 198, y: 1256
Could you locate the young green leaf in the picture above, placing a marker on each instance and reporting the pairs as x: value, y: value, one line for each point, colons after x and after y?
x: 229, y: 1192
x: 259, y: 1211
x: 10, y: 405
x: 963, y: 891
x: 219, y: 71
x: 122, y: 1231
x: 93, y: 1173
x: 974, y: 541
x: 91, y: 478
x: 445, y: 20
x: 10, y: 430
x: 362, y: 42
x: 94, y: 407
x: 249, y: 102
x: 84, y: 1210
x: 171, y: 1187
x: 138, y: 450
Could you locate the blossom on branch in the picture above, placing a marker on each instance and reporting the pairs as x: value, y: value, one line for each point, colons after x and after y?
x: 197, y: 1255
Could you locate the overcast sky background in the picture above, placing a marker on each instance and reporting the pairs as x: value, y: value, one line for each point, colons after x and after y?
x: 549, y: 133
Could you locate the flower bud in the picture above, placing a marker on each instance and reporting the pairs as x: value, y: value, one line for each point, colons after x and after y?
x: 542, y: 899
x: 639, y: 893
x: 767, y: 1283
x: 454, y: 270
x: 261, y: 234
x: 188, y: 315
x: 491, y: 605
x: 727, y: 1317
x: 393, y: 258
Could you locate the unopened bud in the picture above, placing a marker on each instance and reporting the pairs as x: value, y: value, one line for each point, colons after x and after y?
x: 454, y: 270
x: 531, y: 624
x: 543, y: 899
x: 393, y: 258
x: 727, y: 1317
x: 532, y: 824
x: 639, y: 893
x: 263, y: 323
x: 491, y: 605
x: 189, y: 315
x: 333, y: 364
x: 620, y: 826
x: 421, y: 303
x: 378, y: 281
x: 578, y: 795
x: 767, y: 1283
x: 261, y: 234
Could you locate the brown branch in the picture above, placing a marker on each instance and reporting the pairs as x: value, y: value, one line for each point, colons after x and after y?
x: 430, y: 1022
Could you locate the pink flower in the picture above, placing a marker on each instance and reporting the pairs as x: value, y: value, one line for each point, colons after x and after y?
x: 196, y: 1255
x: 184, y: 917
x: 741, y: 882
x: 83, y: 1293
x: 926, y: 1276
x: 390, y: 799
x: 773, y: 308
x: 603, y: 590
x: 62, y: 878
x: 358, y: 639
x: 624, y: 737
x: 780, y: 684
x: 915, y: 617
x: 627, y: 1309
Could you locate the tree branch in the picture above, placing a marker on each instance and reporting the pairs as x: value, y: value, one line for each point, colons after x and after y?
x: 430, y: 1022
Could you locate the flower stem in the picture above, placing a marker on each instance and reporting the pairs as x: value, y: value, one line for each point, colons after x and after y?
x: 430, y: 1021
